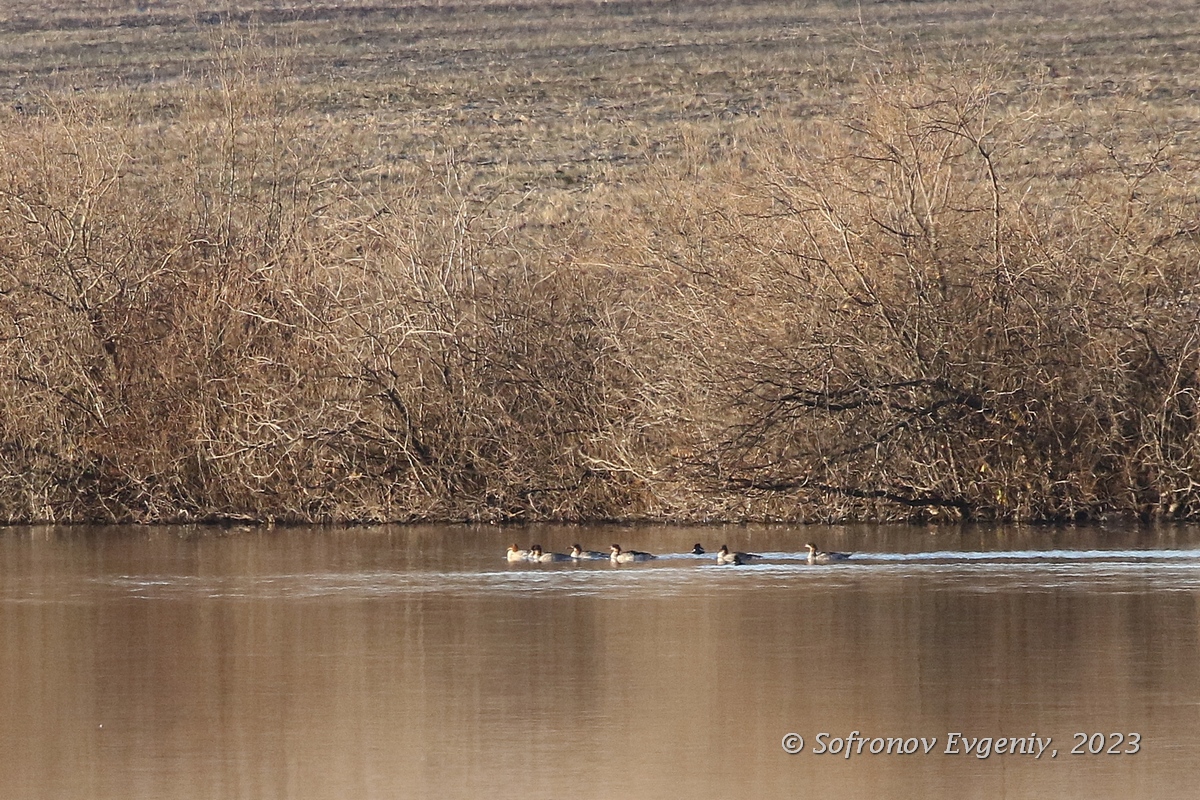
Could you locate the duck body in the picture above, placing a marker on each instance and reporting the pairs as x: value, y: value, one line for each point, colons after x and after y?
x: 620, y: 556
x: 579, y: 554
x: 816, y: 556
x: 517, y: 554
x: 536, y: 554
x: 724, y: 556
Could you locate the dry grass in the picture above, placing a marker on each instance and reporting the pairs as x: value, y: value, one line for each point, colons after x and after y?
x: 581, y: 261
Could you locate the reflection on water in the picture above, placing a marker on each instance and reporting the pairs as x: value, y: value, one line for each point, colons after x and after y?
x: 414, y: 662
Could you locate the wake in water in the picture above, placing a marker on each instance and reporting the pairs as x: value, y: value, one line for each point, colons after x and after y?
x: 689, y: 573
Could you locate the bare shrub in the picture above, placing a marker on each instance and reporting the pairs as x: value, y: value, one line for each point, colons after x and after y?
x: 165, y: 316
x: 502, y: 371
x: 941, y: 330
x: 217, y: 324
x: 957, y: 301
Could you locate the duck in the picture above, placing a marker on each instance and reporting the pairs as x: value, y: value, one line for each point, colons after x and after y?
x: 517, y: 554
x: 579, y: 554
x: 697, y: 549
x: 816, y: 556
x: 536, y: 554
x: 726, y: 557
x: 622, y: 556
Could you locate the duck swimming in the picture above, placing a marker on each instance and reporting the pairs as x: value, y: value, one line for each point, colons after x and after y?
x: 697, y: 550
x: 816, y: 556
x: 623, y: 556
x: 516, y: 554
x: 726, y: 557
x: 579, y: 554
x: 536, y: 554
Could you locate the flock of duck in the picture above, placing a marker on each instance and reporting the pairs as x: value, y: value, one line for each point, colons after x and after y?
x: 618, y: 556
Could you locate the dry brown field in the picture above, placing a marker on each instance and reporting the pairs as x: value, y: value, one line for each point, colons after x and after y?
x: 552, y: 93
x: 599, y: 260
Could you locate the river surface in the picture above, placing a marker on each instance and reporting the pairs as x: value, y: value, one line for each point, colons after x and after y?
x: 400, y: 662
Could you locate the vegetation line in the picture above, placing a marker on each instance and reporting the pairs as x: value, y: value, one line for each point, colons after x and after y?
x: 953, y: 298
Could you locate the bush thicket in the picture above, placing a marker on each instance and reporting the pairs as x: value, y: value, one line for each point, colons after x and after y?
x: 955, y: 301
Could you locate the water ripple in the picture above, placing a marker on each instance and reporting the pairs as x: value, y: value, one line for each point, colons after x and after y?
x: 1091, y: 570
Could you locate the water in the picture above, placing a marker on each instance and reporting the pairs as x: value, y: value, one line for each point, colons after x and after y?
x: 415, y: 662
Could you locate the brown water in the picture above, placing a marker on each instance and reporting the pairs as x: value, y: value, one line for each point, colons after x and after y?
x: 415, y: 662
